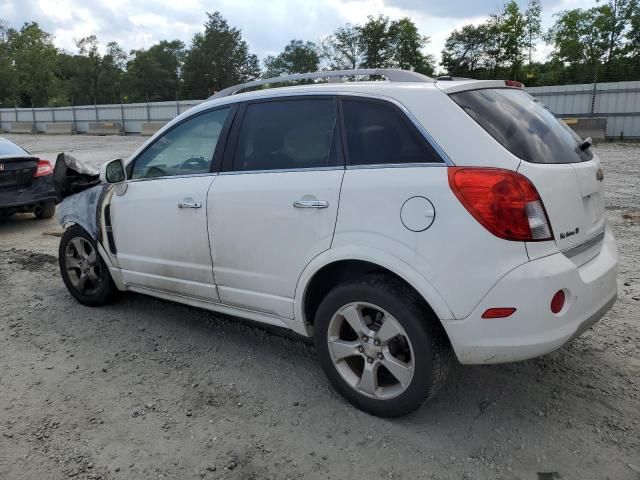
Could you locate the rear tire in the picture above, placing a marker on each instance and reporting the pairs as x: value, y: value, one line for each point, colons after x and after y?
x: 46, y: 210
x: 400, y: 357
x: 83, y: 271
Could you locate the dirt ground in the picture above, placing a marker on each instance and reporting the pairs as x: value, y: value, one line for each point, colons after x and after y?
x: 149, y: 389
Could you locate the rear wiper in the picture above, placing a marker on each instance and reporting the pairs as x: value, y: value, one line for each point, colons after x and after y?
x: 586, y: 143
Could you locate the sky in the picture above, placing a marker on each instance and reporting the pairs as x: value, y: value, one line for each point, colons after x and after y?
x: 267, y: 25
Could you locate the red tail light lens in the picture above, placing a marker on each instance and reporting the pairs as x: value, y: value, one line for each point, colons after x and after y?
x: 44, y: 168
x: 501, y: 312
x: 504, y: 202
x: 514, y: 83
x: 557, y: 302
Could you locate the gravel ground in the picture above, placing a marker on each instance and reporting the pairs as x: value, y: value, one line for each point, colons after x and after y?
x: 150, y: 389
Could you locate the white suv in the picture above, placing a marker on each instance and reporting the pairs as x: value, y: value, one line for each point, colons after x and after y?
x: 395, y: 221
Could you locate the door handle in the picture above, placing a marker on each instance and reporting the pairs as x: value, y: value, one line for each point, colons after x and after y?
x: 189, y: 203
x: 311, y: 204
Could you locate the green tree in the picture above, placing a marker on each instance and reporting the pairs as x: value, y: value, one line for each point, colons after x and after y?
x: 155, y: 72
x: 533, y: 27
x: 297, y: 57
x: 632, y: 36
x: 8, y: 76
x: 578, y: 39
x: 407, y: 45
x: 514, y: 33
x: 218, y: 58
x: 613, y: 18
x: 88, y: 66
x: 110, y: 82
x: 465, y: 50
x: 375, y: 42
x: 34, y: 59
x: 342, y: 49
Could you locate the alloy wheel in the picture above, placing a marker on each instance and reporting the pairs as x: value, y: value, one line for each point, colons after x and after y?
x: 371, y: 350
x: 83, y: 268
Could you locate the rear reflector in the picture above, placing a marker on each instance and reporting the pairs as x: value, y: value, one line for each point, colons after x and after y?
x: 557, y: 302
x: 501, y: 312
x: 44, y: 168
x: 504, y: 202
x: 514, y: 83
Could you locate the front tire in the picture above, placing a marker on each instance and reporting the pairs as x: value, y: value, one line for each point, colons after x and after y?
x: 83, y: 271
x: 379, y: 345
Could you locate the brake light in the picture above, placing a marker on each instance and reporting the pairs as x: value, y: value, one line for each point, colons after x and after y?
x: 43, y: 168
x: 504, y: 202
x: 514, y: 83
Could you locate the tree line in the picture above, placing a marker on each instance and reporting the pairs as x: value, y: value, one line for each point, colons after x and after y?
x: 601, y: 43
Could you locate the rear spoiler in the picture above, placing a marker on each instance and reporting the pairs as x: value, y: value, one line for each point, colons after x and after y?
x: 459, y: 85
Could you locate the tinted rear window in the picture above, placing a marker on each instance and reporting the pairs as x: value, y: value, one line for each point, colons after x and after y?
x: 378, y: 134
x: 10, y: 148
x: 523, y: 126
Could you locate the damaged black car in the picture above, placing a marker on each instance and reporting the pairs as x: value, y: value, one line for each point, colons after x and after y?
x: 26, y: 182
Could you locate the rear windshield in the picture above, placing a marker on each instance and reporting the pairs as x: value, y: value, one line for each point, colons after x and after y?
x: 10, y: 148
x: 522, y: 125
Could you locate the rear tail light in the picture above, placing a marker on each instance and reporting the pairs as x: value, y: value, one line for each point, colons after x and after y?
x: 44, y: 168
x: 514, y: 83
x: 504, y: 202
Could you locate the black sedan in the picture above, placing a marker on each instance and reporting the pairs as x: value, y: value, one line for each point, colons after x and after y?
x: 26, y: 182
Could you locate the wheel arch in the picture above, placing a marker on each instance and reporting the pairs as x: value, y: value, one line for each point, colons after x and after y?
x: 338, y: 265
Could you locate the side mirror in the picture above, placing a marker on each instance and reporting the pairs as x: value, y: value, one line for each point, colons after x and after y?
x: 113, y: 172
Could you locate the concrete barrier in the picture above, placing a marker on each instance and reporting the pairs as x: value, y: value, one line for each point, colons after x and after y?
x: 21, y: 127
x: 596, y: 128
x: 149, y: 128
x: 60, y: 128
x: 104, y: 128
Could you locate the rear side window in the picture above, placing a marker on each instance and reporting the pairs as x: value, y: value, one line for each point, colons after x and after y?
x: 10, y: 148
x: 287, y: 134
x: 378, y: 133
x: 522, y: 125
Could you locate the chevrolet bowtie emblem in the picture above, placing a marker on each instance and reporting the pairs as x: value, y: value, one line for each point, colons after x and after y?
x: 599, y: 174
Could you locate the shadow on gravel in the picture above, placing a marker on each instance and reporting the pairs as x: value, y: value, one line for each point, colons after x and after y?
x: 535, y: 391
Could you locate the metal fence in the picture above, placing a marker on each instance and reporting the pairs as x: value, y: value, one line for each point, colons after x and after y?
x: 618, y: 102
x: 131, y: 116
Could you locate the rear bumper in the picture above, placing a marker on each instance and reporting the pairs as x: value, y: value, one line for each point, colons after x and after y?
x: 41, y: 189
x: 533, y: 330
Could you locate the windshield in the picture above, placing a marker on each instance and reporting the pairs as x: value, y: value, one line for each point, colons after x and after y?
x: 522, y: 125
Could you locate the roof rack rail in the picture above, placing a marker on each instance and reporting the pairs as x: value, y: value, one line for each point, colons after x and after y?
x: 391, y: 74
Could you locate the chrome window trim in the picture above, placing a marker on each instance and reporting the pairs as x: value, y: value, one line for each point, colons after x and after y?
x: 446, y: 160
x: 284, y: 170
x: 584, y: 246
x: 167, y: 177
x: 398, y: 165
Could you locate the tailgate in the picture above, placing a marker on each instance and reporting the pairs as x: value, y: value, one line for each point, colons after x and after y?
x: 561, y: 166
x: 573, y: 196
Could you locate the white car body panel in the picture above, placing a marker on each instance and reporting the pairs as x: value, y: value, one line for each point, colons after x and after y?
x: 463, y: 278
x: 250, y: 253
x: 160, y: 245
x: 261, y: 242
